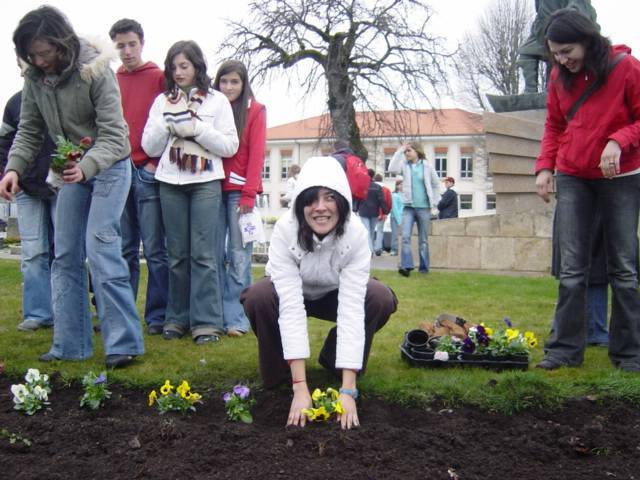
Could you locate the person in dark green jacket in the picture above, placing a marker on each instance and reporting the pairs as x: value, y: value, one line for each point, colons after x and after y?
x: 70, y: 90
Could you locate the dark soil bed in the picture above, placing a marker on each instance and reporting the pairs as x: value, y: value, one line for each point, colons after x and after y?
x: 128, y: 440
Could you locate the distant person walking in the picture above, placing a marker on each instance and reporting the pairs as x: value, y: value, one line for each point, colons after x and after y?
x: 397, y: 205
x: 420, y: 193
x: 448, y: 204
x: 369, y: 209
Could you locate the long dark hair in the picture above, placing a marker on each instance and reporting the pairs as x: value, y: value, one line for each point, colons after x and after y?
x: 194, y: 54
x: 48, y: 24
x: 241, y: 104
x: 306, y: 198
x: 571, y: 26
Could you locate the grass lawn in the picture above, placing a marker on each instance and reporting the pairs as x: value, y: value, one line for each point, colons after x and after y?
x: 476, y: 297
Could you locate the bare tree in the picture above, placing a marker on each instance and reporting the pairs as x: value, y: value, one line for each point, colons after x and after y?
x: 368, y: 52
x: 487, y: 59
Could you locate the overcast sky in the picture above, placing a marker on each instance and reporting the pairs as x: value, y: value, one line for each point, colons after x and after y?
x: 203, y: 21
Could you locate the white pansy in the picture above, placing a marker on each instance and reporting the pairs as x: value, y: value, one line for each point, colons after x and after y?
x: 442, y: 356
x: 32, y: 376
x: 19, y: 393
x: 40, y: 393
x: 44, y: 378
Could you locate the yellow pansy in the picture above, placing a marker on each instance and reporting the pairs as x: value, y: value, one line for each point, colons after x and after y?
x: 317, y: 394
x: 512, y: 333
x: 193, y: 397
x: 152, y: 397
x: 183, y: 389
x: 531, y: 339
x: 332, y: 393
x: 338, y: 408
x: 488, y: 330
x: 309, y: 412
x: 166, y: 388
x: 322, y: 412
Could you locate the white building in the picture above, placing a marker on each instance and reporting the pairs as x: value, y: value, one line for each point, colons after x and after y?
x: 452, y: 139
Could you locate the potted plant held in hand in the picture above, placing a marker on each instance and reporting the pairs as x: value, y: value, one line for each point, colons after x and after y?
x: 66, y: 155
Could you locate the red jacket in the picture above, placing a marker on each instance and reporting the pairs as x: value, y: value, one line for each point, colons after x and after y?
x: 387, y: 200
x: 243, y: 171
x: 611, y: 113
x: 138, y: 90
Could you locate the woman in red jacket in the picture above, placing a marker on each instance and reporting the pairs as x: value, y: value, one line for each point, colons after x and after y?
x: 594, y: 149
x: 242, y: 182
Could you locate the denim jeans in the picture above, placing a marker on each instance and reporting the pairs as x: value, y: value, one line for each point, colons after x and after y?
x: 577, y: 201
x: 370, y: 225
x: 379, y: 243
x: 597, y: 302
x: 195, y: 297
x: 88, y: 224
x: 35, y: 223
x: 237, y: 264
x: 142, y: 220
x: 421, y: 216
x: 394, y: 235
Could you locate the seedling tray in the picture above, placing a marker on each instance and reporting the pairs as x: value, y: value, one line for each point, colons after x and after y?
x: 420, y: 358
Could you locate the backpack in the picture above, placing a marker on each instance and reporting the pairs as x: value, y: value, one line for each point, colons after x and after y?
x: 387, y: 200
x: 357, y: 174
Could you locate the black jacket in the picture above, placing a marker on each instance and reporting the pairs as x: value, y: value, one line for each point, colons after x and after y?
x: 33, y: 180
x: 448, y: 204
x: 371, y: 207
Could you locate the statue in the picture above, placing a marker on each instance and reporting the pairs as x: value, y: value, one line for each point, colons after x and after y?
x: 532, y: 52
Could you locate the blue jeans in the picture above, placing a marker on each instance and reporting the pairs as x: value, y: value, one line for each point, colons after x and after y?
x: 597, y: 302
x: 142, y: 220
x: 379, y: 243
x: 237, y: 272
x: 394, y: 235
x: 370, y: 225
x: 88, y: 225
x: 195, y: 297
x: 577, y: 202
x: 35, y: 223
x: 421, y: 216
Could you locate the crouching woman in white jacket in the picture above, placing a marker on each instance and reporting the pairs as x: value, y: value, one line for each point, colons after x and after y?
x: 319, y: 262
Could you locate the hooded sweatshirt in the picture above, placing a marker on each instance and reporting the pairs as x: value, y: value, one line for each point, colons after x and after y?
x: 139, y: 88
x: 335, y: 263
x: 83, y: 101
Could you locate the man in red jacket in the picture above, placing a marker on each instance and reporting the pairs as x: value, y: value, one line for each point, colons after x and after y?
x: 140, y: 83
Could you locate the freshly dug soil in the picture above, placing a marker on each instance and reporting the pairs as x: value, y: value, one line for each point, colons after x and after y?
x: 129, y: 440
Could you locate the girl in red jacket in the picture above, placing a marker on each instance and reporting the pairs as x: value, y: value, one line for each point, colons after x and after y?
x: 242, y: 182
x: 592, y: 142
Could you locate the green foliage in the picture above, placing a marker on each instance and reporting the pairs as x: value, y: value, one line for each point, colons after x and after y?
x: 178, y: 399
x: 31, y: 396
x: 238, y: 404
x: 14, y: 437
x: 95, y: 390
x: 67, y: 151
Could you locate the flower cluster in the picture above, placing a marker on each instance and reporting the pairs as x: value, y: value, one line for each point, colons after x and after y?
x: 32, y: 395
x: 238, y: 404
x: 95, y: 390
x: 324, y: 405
x: 179, y: 399
x: 67, y: 151
x: 484, y: 340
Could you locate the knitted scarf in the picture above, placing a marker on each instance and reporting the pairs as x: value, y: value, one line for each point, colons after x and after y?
x: 179, y: 112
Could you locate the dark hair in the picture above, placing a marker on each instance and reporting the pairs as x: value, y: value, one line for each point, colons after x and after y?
x: 241, y: 104
x: 48, y: 24
x: 371, y: 172
x: 571, y: 26
x: 194, y: 54
x: 398, y: 183
x: 126, y: 25
x: 306, y: 198
x: 377, y: 177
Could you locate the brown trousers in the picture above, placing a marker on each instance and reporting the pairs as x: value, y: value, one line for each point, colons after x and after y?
x: 261, y: 305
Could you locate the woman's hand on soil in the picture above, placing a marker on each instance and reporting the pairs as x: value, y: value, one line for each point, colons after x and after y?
x: 610, y: 159
x: 349, y: 418
x: 544, y: 184
x: 9, y: 185
x: 301, y: 400
x: 72, y: 174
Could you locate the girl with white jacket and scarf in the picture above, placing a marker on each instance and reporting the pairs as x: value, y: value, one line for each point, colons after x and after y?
x: 190, y: 127
x: 319, y: 262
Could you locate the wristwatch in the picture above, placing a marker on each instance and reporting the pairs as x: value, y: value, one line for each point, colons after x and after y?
x: 350, y: 391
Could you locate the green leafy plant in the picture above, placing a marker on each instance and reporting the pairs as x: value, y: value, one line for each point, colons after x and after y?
x: 325, y: 404
x: 448, y: 344
x: 95, y: 390
x: 67, y: 151
x: 14, y: 437
x: 238, y: 404
x: 510, y: 341
x: 179, y: 399
x: 33, y: 394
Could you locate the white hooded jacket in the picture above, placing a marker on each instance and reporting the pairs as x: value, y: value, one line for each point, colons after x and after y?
x: 335, y: 263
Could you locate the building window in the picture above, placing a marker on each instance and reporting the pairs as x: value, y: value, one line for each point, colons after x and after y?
x: 466, y: 166
x: 262, y: 200
x: 466, y: 201
x: 441, y: 161
x: 266, y: 169
x: 388, y: 154
x: 491, y: 201
x: 286, y: 159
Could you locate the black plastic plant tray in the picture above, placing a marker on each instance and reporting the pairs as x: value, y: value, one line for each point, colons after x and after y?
x: 419, y: 358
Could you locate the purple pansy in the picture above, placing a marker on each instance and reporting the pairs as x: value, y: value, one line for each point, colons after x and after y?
x: 242, y: 391
x: 507, y: 320
x: 468, y: 346
x: 102, y: 378
x: 226, y: 397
